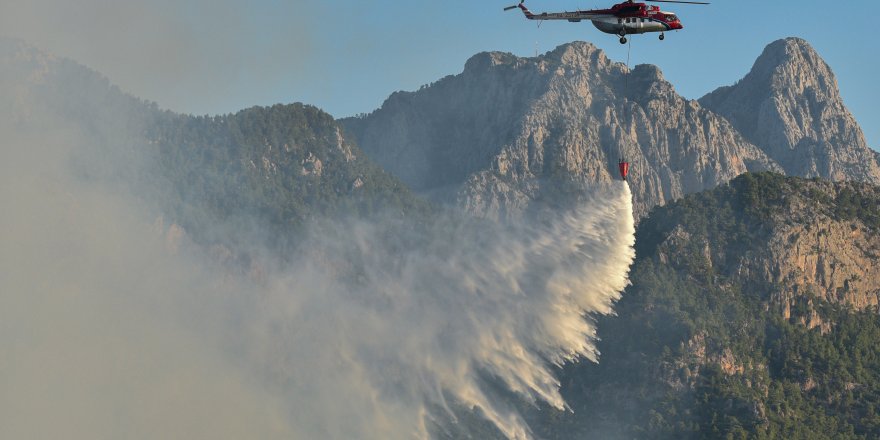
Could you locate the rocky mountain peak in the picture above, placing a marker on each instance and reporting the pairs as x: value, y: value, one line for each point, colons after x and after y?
x: 574, y: 56
x: 789, y: 104
x: 486, y: 60
x: 793, y: 58
x: 646, y: 83
x: 493, y: 136
x: 490, y: 137
x: 647, y: 72
x: 578, y: 54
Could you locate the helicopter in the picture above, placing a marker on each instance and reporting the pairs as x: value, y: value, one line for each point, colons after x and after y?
x: 621, y: 19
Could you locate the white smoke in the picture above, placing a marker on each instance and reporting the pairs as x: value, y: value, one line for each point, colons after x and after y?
x: 379, y: 330
x: 92, y: 344
x: 471, y: 301
x: 107, y: 334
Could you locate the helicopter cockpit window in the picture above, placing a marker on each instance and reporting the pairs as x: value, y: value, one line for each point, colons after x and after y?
x: 671, y: 18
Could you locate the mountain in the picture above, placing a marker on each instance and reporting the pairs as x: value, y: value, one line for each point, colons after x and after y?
x: 283, y: 166
x: 267, y: 170
x: 753, y: 306
x: 752, y: 314
x: 790, y: 106
x: 492, y: 136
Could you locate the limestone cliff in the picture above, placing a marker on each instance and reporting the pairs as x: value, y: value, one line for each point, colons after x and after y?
x: 752, y: 314
x: 494, y: 133
x: 807, y: 238
x: 790, y: 106
x: 823, y: 251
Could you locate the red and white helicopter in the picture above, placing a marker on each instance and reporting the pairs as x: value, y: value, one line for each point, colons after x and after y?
x: 622, y: 19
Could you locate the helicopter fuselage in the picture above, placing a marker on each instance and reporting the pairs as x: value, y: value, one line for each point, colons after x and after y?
x: 621, y: 19
x: 634, y: 25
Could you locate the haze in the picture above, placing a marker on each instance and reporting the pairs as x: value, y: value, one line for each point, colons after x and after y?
x: 117, y: 324
x: 346, y: 57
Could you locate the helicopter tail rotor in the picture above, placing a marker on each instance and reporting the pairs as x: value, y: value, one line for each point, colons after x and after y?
x: 514, y: 6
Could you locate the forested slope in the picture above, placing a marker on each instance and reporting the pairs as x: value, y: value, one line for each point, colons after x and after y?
x: 262, y: 171
x: 719, y: 337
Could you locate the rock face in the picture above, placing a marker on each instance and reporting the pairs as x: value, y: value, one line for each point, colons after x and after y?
x: 752, y: 306
x: 835, y: 260
x: 494, y: 133
x: 790, y: 106
x: 492, y: 136
x: 818, y: 239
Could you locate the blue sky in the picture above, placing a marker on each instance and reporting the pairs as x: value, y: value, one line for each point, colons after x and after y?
x: 218, y: 56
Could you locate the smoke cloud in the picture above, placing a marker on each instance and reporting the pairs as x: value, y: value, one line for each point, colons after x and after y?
x: 377, y: 330
x: 419, y: 326
x: 192, y: 55
x: 91, y: 332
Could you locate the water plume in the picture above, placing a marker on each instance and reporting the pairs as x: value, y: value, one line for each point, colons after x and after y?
x: 378, y: 329
x: 382, y: 325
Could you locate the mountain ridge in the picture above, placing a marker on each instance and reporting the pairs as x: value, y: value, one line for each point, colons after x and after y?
x: 276, y: 167
x: 748, y: 336
x: 752, y: 312
x: 578, y: 113
x: 790, y: 105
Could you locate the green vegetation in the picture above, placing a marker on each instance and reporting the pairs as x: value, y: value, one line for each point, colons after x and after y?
x: 261, y: 173
x: 701, y: 351
x: 268, y: 169
x: 851, y: 205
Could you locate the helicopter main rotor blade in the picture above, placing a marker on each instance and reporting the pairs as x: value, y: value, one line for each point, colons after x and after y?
x: 679, y: 1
